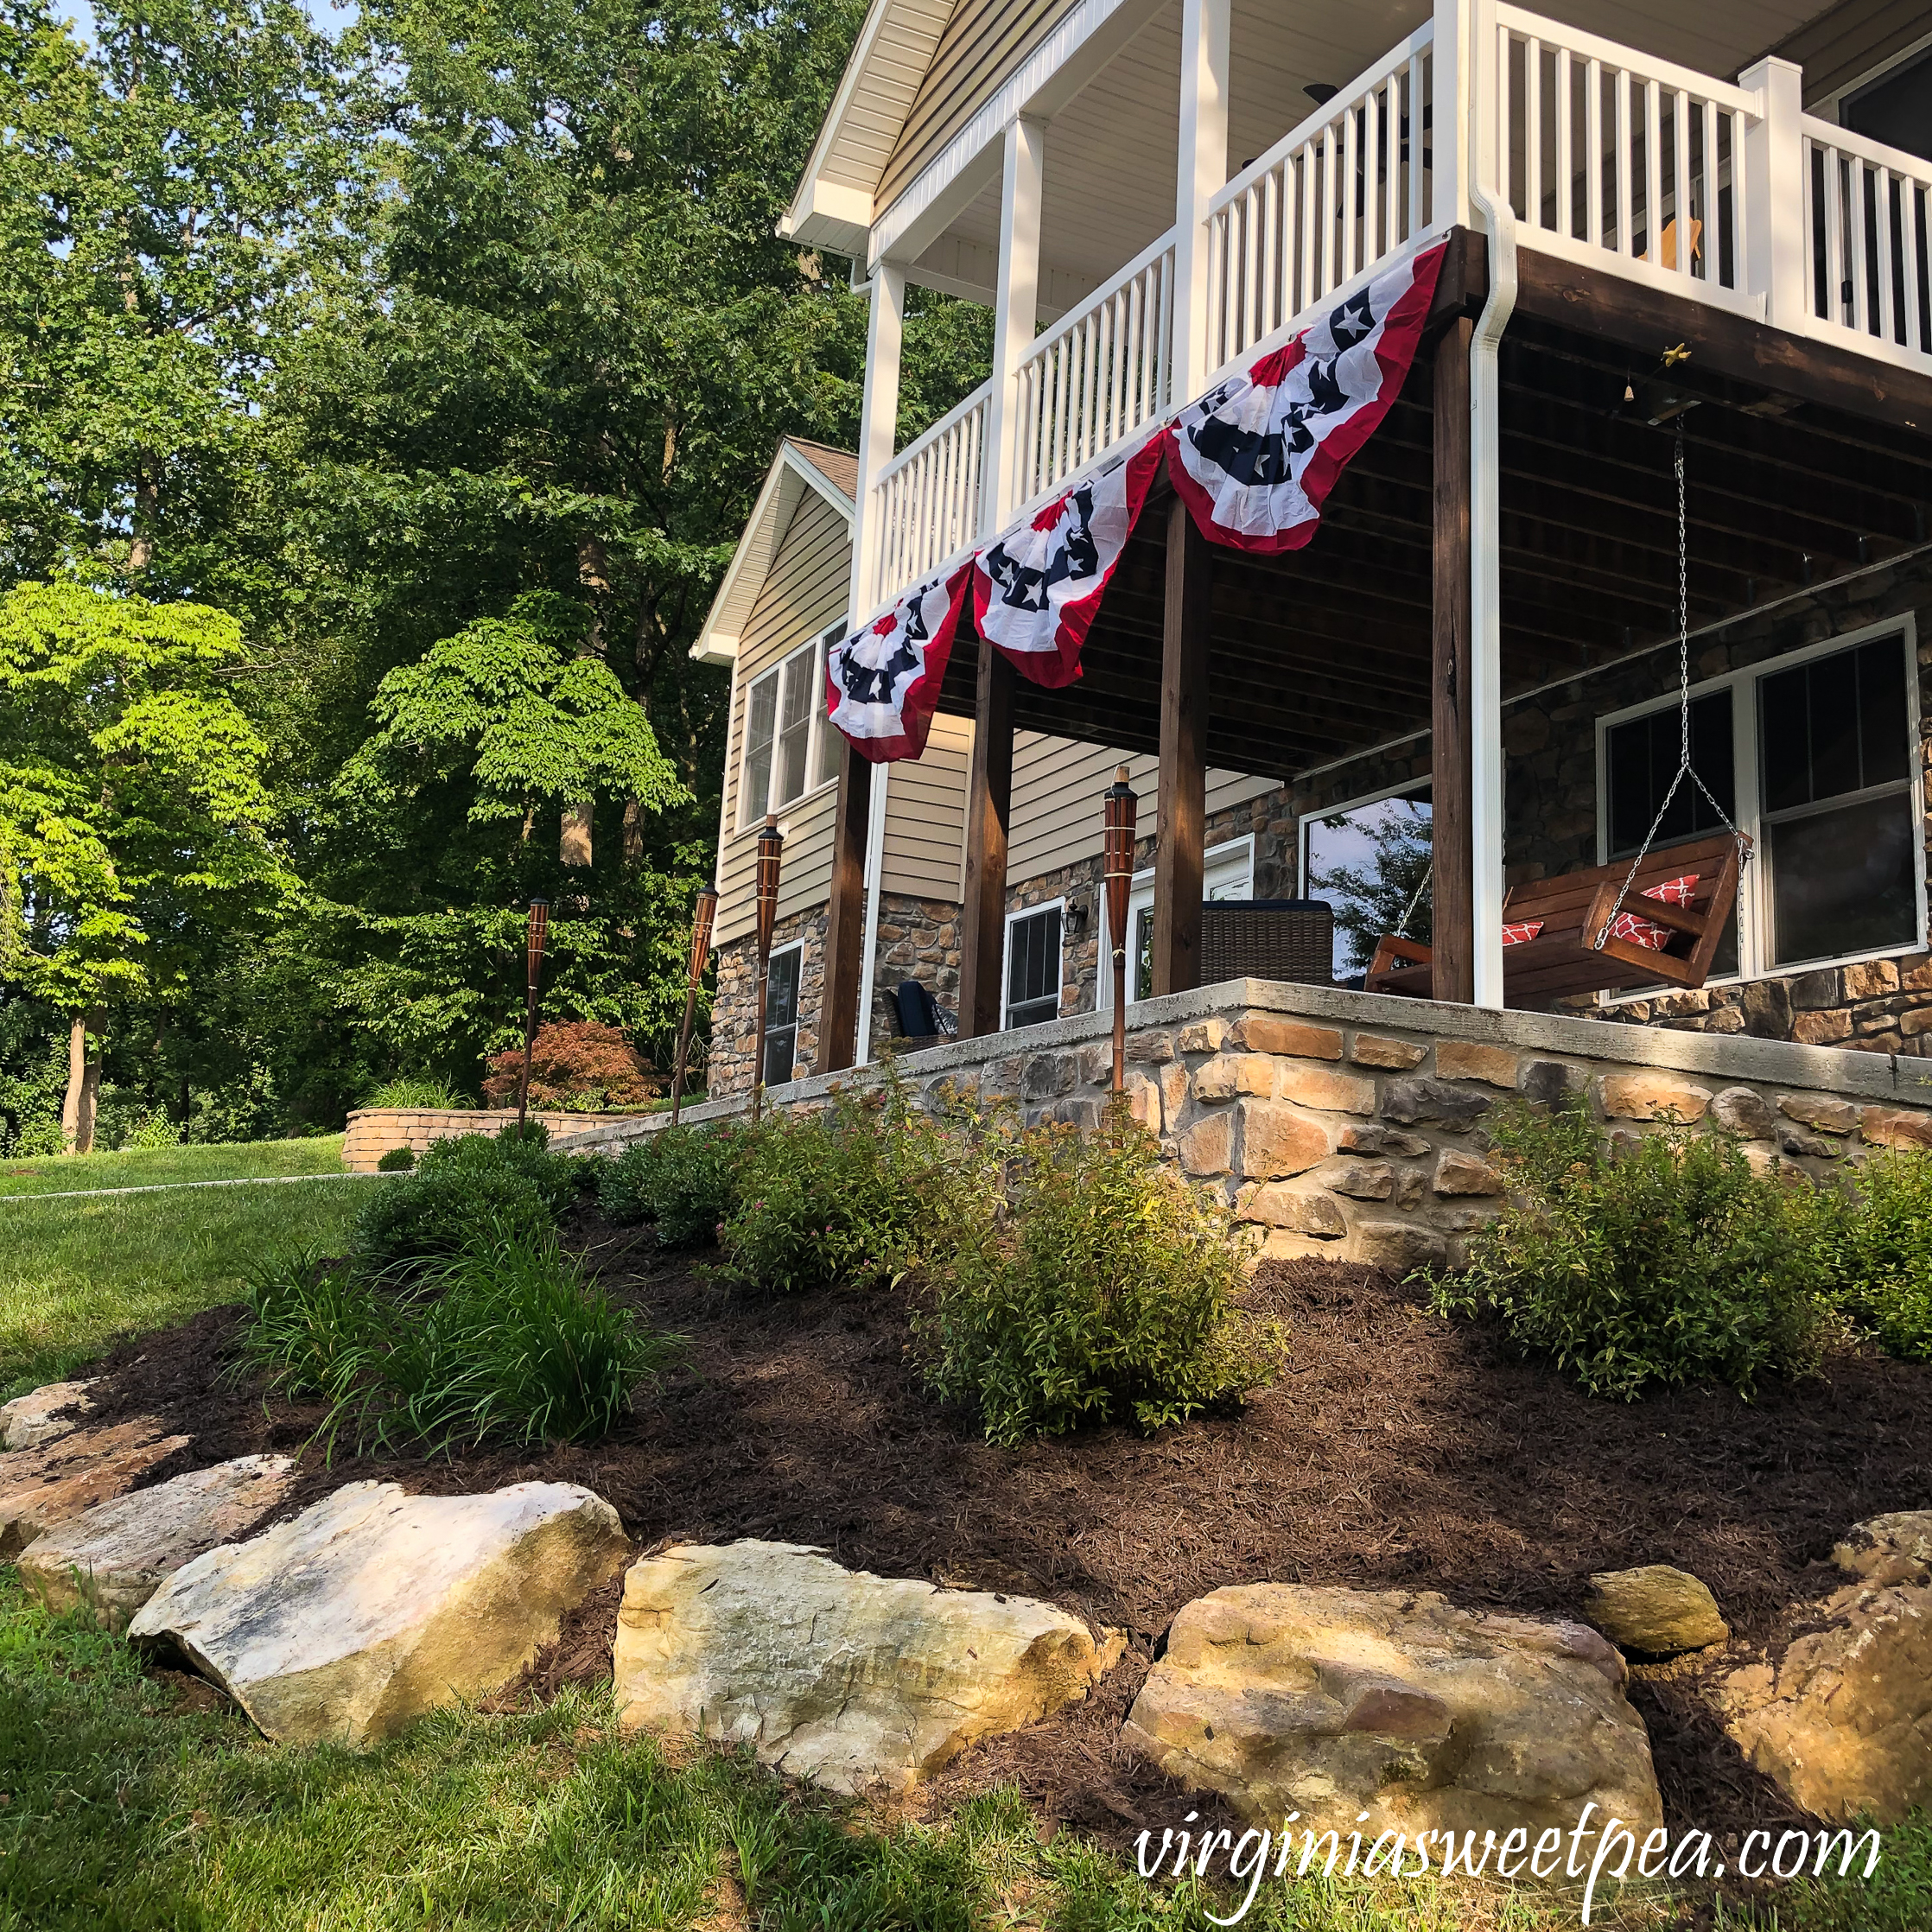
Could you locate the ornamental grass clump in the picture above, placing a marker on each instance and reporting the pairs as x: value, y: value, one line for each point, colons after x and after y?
x: 507, y: 1340
x: 1104, y: 1289
x: 682, y: 1179
x: 1663, y: 1261
x: 859, y: 1195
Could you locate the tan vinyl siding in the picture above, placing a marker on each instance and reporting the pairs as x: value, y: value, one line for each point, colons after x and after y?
x: 803, y: 591
x: 983, y: 42
x: 1057, y: 787
x: 925, y: 816
x: 1844, y: 45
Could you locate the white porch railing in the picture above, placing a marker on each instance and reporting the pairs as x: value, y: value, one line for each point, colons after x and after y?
x: 1347, y: 189
x: 928, y: 500
x: 1099, y: 373
x: 1610, y: 158
x: 1866, y: 209
x: 1604, y: 151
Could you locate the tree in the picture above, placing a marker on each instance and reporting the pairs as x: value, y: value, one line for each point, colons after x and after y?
x: 132, y: 809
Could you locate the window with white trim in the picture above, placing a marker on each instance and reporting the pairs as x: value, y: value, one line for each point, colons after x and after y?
x: 789, y: 749
x: 1033, y: 965
x: 1227, y: 872
x: 1814, y: 755
x: 782, y: 977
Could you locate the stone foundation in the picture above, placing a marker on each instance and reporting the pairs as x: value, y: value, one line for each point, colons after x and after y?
x: 373, y: 1131
x: 1351, y: 1124
x: 734, y: 1005
x: 918, y: 939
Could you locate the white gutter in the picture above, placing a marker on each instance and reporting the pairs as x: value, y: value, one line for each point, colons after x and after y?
x: 1486, y: 599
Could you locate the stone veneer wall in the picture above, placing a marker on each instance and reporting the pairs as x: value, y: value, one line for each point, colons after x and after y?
x: 734, y: 1004
x: 374, y: 1131
x: 1350, y: 1124
x: 918, y: 939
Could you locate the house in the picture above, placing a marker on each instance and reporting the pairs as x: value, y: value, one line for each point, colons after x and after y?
x: 1651, y: 232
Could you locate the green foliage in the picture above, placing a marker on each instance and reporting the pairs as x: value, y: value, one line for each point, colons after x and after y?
x: 856, y: 1195
x: 1874, y: 1240
x: 398, y: 1160
x: 1669, y: 1261
x: 1393, y: 886
x: 683, y: 1178
x: 415, y: 1090
x: 1106, y: 1290
x: 505, y: 1340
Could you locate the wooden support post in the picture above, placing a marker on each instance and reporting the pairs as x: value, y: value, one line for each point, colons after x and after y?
x: 1182, y: 823
x: 989, y: 802
x: 838, y: 1021
x: 1452, y: 803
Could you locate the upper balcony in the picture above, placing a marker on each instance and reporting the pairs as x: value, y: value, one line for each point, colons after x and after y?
x: 1722, y: 193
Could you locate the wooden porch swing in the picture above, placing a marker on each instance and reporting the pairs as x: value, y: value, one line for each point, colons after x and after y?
x: 1656, y: 918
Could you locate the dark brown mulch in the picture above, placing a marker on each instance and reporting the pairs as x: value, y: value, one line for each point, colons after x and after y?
x: 1399, y: 1451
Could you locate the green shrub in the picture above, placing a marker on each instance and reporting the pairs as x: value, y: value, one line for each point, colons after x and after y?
x: 857, y: 1194
x: 682, y: 1178
x: 434, y: 1212
x: 398, y: 1160
x: 1106, y: 1289
x: 1876, y: 1239
x: 416, y: 1091
x: 1668, y: 1262
x: 505, y: 1341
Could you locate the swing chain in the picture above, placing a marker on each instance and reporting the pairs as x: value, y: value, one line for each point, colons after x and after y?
x: 1684, y: 765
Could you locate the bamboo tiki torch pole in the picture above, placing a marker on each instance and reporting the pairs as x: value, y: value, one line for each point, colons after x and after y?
x: 771, y: 850
x: 701, y: 916
x: 1122, y: 809
x: 537, y: 930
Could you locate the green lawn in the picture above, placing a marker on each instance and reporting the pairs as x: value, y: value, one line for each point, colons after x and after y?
x: 152, y: 1166
x: 76, y: 1275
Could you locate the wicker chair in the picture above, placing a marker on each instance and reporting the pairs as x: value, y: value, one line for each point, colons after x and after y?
x: 1268, y: 939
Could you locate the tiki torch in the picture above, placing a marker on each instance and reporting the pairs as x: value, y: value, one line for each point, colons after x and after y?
x: 536, y: 931
x: 1122, y: 808
x: 770, y: 849
x: 702, y: 913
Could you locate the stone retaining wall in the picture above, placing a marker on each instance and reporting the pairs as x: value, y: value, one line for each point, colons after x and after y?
x: 1351, y: 1124
x: 374, y: 1130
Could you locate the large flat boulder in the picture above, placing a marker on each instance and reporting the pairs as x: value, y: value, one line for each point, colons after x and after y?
x: 1840, y: 1717
x: 373, y: 1606
x: 43, y: 1414
x: 856, y: 1681
x: 115, y: 1555
x: 1293, y: 1698
x: 54, y: 1482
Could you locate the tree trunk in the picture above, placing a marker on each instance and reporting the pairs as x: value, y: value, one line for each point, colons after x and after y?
x: 574, y: 842
x: 633, y: 833
x: 574, y: 847
x: 83, y: 1095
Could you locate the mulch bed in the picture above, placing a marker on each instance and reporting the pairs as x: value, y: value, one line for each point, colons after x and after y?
x: 1400, y: 1451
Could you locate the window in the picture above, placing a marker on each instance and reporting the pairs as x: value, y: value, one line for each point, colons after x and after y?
x: 1227, y: 872
x: 1370, y: 859
x: 1896, y: 108
x: 781, y: 1014
x: 1033, y: 965
x: 1812, y: 756
x: 789, y: 747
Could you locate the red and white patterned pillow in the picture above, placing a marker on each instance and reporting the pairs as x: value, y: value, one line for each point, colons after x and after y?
x: 1520, y: 932
x: 1640, y: 931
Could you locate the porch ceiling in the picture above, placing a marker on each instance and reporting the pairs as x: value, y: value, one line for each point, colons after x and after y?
x: 1326, y: 652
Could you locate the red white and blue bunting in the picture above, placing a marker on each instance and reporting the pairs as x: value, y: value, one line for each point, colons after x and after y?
x: 882, y: 683
x: 1253, y: 459
x: 1036, y: 590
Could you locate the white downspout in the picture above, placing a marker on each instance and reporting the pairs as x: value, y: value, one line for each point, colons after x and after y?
x: 875, y: 854
x: 1498, y: 223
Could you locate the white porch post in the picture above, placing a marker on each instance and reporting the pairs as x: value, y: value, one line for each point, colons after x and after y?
x: 1015, y: 314
x: 1451, y: 110
x: 878, y: 425
x: 1201, y: 168
x: 1776, y: 195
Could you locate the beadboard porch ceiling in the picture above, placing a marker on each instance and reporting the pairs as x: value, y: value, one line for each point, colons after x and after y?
x: 1326, y: 651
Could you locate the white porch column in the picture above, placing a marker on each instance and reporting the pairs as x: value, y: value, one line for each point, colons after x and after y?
x: 1201, y: 168
x: 1452, y: 111
x: 1776, y: 193
x: 878, y: 425
x: 1015, y: 314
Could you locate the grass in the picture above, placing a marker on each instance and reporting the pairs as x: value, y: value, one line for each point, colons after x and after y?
x: 153, y: 1166
x: 75, y: 1275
